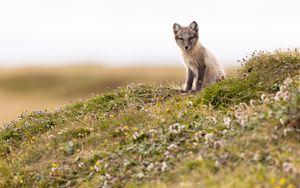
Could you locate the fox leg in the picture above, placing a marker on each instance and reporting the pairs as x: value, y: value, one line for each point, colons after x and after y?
x: 189, y: 80
x: 199, y: 77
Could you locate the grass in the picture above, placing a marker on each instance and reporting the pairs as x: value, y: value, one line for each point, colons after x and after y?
x: 262, y: 72
x: 241, y: 132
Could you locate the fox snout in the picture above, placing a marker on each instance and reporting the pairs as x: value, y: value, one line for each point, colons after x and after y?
x: 185, y: 45
x: 188, y: 48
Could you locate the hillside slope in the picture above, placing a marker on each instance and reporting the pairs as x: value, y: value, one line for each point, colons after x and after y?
x: 241, y: 132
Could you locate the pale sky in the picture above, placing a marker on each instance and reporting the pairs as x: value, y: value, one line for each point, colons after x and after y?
x: 124, y: 32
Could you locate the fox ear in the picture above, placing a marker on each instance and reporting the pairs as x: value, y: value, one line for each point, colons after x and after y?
x: 176, y: 28
x: 194, y: 26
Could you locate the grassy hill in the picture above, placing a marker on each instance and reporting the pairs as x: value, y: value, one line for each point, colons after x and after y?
x: 241, y: 132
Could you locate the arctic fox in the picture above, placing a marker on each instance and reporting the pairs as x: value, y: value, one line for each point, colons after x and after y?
x: 202, y: 67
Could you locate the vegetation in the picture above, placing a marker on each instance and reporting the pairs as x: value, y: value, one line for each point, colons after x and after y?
x: 241, y: 132
x: 262, y: 72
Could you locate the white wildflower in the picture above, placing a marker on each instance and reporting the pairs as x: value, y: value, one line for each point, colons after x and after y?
x: 152, y: 131
x: 241, y: 113
x: 252, y: 103
x: 282, y: 121
x: 50, y: 136
x: 199, y: 158
x: 53, y: 169
x: 164, y: 166
x: 286, y: 131
x: 176, y: 128
x: 225, y: 131
x: 126, y: 163
x: 227, y: 121
x: 288, y: 167
x: 209, y: 137
x: 286, y: 96
x: 81, y: 165
x: 108, y: 176
x: 140, y: 175
x: 150, y: 166
x: 262, y: 97
x: 135, y: 135
x: 167, y: 154
x: 212, y: 118
x: 283, y: 94
x: 172, y: 147
x: 277, y: 96
x: 257, y: 156
x: 242, y: 155
x: 105, y: 184
x: 96, y: 168
x: 190, y: 103
x: 288, y: 81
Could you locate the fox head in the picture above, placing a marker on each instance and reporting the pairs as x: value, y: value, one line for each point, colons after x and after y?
x: 186, y: 37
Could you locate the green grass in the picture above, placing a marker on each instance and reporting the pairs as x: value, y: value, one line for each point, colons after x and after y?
x: 262, y: 72
x: 241, y: 132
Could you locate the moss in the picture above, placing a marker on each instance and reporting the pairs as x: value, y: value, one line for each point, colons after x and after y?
x: 229, y: 92
x: 261, y: 72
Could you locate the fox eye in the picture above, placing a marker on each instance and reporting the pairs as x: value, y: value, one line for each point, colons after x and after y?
x: 180, y: 38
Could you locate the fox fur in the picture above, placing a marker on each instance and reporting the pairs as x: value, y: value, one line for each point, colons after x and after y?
x: 202, y: 67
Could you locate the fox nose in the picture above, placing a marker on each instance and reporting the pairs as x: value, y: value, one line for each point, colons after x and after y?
x: 186, y: 47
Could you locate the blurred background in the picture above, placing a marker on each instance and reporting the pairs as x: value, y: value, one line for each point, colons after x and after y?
x: 53, y: 52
